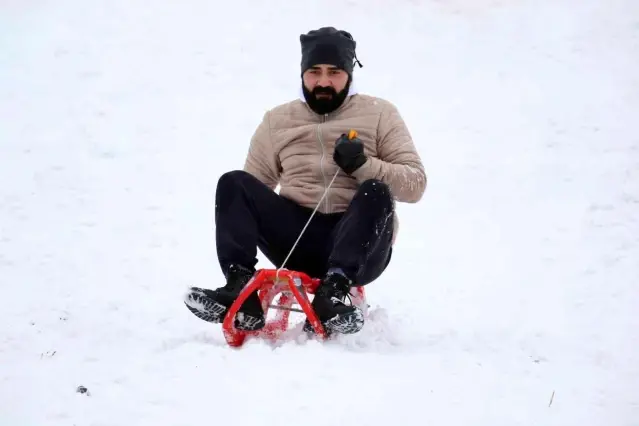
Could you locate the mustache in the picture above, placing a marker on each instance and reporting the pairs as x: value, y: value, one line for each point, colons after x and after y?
x: 324, y: 91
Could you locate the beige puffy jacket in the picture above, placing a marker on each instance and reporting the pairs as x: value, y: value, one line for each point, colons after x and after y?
x: 293, y: 146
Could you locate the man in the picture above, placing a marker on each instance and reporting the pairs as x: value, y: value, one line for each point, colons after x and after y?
x: 349, y: 240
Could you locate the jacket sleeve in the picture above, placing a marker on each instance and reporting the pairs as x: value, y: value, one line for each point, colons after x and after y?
x: 398, y: 164
x: 261, y: 160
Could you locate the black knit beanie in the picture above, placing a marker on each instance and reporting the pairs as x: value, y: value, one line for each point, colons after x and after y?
x: 328, y: 45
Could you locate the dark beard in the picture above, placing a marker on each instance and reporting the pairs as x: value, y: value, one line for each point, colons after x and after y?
x: 325, y: 105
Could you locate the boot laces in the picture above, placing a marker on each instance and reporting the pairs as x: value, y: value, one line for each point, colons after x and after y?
x: 237, y: 277
x: 339, y: 294
x: 343, y: 298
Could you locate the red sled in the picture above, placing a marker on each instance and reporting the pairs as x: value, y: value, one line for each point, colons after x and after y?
x: 291, y: 286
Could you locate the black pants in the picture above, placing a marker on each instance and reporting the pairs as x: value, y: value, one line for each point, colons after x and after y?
x: 249, y: 215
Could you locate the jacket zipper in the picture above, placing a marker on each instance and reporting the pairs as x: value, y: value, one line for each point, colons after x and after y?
x: 321, y: 143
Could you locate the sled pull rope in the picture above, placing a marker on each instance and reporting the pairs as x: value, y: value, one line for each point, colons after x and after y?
x: 351, y: 135
x: 306, y: 226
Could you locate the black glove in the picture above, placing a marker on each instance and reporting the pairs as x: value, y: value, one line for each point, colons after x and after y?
x: 349, y: 154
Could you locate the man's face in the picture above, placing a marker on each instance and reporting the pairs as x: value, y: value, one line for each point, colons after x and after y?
x: 324, y: 87
x: 319, y: 78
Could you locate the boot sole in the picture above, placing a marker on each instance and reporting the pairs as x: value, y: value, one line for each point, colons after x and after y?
x: 348, y: 323
x: 211, y: 311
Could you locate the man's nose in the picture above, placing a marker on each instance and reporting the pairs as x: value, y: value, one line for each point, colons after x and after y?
x: 324, y: 81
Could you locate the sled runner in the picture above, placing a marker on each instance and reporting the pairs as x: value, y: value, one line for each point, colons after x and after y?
x: 292, y: 287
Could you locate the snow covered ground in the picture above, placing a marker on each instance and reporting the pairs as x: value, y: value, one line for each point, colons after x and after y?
x: 515, y: 278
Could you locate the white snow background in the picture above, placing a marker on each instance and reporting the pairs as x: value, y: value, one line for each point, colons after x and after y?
x: 514, y: 280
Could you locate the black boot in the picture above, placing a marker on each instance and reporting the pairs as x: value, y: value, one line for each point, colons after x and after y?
x: 212, y: 305
x: 330, y: 308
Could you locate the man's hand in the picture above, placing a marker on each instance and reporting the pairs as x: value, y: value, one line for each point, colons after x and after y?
x: 349, y: 152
